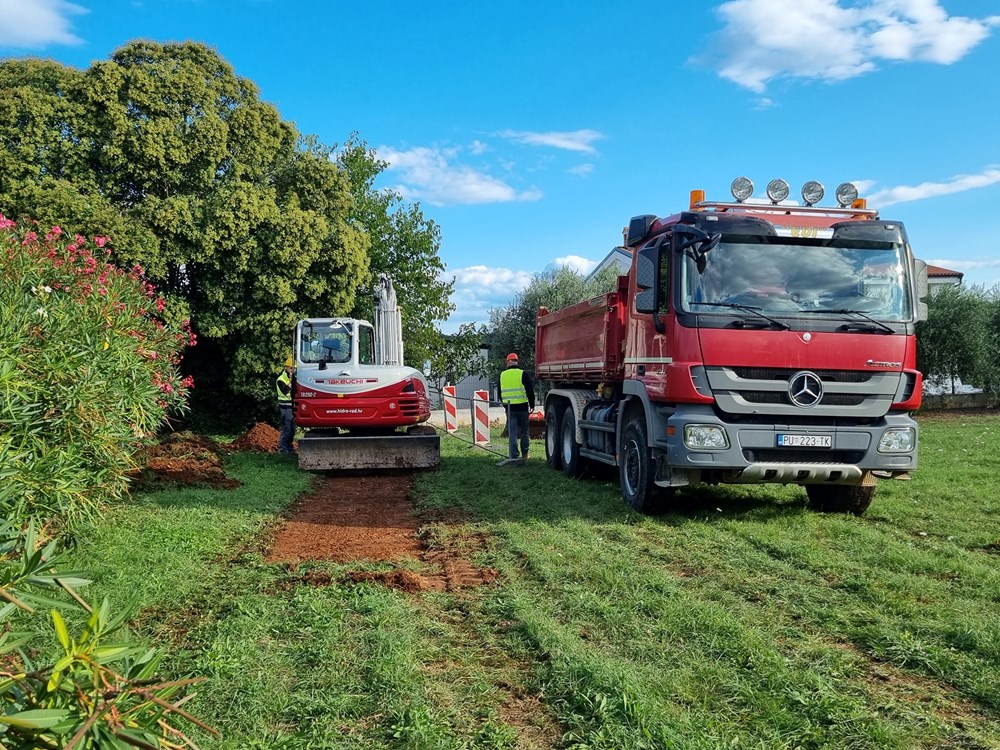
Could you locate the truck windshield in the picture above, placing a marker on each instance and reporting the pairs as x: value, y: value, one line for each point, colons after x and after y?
x: 785, y: 277
x: 326, y: 342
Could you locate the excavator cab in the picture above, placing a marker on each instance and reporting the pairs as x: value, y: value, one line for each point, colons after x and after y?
x: 361, y: 406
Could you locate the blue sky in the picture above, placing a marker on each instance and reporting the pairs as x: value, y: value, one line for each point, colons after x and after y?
x: 532, y: 131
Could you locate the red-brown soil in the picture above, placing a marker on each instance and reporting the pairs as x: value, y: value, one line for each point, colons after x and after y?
x: 261, y: 437
x: 371, y: 518
x: 182, y: 458
x: 186, y: 458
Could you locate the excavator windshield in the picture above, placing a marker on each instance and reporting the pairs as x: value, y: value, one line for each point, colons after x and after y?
x: 326, y: 342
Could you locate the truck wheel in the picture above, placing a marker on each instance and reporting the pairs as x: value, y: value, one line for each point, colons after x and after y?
x: 572, y: 464
x: 840, y: 498
x: 553, y: 434
x: 637, y: 471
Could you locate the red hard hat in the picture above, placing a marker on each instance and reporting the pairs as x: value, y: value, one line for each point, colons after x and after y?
x: 512, y: 357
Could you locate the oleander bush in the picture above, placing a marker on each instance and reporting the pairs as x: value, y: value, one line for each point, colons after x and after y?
x: 91, y: 686
x: 89, y: 358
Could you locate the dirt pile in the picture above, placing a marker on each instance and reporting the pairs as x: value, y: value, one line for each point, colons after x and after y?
x: 261, y: 437
x: 182, y: 458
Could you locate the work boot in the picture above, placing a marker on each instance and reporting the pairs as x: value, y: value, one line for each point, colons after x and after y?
x: 525, y: 456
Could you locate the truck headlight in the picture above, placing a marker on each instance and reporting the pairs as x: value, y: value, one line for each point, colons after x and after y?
x: 897, y: 440
x: 705, y: 436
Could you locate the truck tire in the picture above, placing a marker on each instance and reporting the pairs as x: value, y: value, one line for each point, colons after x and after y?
x: 637, y: 471
x: 569, y: 449
x: 553, y: 435
x: 840, y: 498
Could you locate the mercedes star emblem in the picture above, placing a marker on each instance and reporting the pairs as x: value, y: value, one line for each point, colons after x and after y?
x: 805, y: 389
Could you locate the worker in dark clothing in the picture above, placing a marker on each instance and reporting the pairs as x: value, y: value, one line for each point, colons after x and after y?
x: 517, y: 393
x: 284, y: 386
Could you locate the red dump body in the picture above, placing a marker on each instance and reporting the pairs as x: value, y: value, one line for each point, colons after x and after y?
x: 584, y: 342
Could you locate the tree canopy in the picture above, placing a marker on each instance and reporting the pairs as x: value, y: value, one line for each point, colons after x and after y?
x: 512, y: 328
x: 959, y: 339
x: 233, y: 214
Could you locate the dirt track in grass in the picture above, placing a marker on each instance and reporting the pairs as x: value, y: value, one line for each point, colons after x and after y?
x: 371, y: 519
x: 344, y: 518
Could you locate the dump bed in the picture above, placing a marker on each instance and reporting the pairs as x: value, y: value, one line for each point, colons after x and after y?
x: 583, y: 343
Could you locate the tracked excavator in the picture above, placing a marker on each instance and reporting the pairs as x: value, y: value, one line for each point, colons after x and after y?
x: 361, y: 407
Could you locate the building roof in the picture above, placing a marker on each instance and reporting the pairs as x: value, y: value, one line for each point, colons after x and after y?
x: 619, y: 256
x: 939, y: 272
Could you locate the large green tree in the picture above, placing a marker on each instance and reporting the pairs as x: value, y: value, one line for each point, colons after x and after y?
x: 512, y: 328
x: 228, y: 209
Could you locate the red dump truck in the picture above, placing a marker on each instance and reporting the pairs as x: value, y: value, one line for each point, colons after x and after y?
x: 751, y: 342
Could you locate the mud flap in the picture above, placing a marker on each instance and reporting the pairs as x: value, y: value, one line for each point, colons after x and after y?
x: 331, y: 453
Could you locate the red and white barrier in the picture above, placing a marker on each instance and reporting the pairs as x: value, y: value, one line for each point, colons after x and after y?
x: 450, y: 409
x: 481, y: 418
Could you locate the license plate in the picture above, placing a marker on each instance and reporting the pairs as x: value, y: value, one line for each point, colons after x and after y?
x: 805, y: 441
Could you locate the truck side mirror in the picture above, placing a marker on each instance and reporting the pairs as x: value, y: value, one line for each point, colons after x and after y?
x: 923, y: 288
x: 647, y: 279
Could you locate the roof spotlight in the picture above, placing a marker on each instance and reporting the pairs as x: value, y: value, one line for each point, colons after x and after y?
x: 742, y: 188
x: 812, y: 193
x: 777, y: 190
x: 846, y: 194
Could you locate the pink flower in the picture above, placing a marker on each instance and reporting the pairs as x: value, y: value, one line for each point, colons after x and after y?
x: 100, y: 241
x: 6, y: 223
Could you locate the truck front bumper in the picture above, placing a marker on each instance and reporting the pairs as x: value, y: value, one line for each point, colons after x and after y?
x: 755, y: 452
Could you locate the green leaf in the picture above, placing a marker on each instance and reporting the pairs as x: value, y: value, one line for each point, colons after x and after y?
x: 61, y: 632
x: 105, y: 654
x: 53, y: 684
x: 39, y: 718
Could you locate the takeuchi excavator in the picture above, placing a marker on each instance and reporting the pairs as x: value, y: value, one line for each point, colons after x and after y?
x: 362, y: 408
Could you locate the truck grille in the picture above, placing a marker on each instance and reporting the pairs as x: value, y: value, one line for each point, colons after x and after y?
x: 776, y: 373
x: 774, y: 397
x: 763, y: 391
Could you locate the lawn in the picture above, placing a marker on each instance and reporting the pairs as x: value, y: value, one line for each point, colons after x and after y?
x: 740, y: 620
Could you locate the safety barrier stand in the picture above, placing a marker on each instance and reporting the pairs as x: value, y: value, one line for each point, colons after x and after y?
x: 481, y: 418
x: 450, y: 409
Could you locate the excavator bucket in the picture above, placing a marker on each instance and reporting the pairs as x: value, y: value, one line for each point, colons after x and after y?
x: 332, y: 453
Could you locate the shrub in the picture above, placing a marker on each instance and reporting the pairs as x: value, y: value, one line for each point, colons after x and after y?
x: 88, y: 372
x: 100, y: 690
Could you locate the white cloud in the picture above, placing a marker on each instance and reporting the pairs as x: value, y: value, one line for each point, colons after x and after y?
x: 577, y: 263
x: 37, y: 23
x: 957, y: 184
x: 864, y: 186
x: 478, y: 289
x: 501, y: 279
x: 581, y: 170
x: 831, y: 40
x: 573, y: 140
x: 429, y: 174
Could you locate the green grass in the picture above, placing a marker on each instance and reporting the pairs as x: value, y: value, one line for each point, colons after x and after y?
x: 741, y: 620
